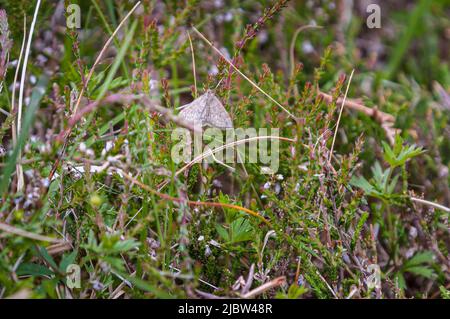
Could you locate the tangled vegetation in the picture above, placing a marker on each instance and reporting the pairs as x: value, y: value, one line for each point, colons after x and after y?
x: 88, y: 177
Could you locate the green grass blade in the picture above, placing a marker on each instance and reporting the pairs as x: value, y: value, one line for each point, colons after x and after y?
x: 119, y: 58
x: 36, y: 96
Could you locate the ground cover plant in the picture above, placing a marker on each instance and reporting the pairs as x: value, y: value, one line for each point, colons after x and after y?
x: 354, y: 100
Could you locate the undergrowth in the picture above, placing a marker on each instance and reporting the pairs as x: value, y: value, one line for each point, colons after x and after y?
x: 101, y: 186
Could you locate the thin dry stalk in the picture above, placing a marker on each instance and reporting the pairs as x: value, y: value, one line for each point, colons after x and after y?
x: 189, y: 202
x: 327, y: 284
x: 263, y: 288
x: 20, y: 179
x: 292, y: 49
x: 372, y: 112
x: 294, y: 40
x: 126, y: 98
x: 204, y: 155
x: 59, y: 248
x: 20, y: 232
x: 91, y: 72
x: 19, y: 170
x: 16, y: 75
x: 340, y: 115
x: 249, y: 281
x: 428, y: 203
x: 100, y: 55
x: 210, y: 152
x: 385, y: 120
x: 207, y: 295
x: 193, y: 64
x: 242, y: 74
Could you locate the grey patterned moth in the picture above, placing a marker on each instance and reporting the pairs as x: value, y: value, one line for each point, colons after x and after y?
x: 206, y: 110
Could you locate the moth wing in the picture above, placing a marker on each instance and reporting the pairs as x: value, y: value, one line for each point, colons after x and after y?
x: 216, y: 115
x: 201, y: 99
x: 193, y: 112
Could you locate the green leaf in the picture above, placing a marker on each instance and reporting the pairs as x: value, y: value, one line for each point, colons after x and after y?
x: 295, y: 291
x: 389, y: 155
x: 361, y: 182
x: 398, y: 144
x: 391, y: 186
x: 420, y: 258
x: 125, y: 245
x: 421, y: 271
x: 241, y: 230
x: 418, y: 264
x: 445, y: 293
x: 44, y: 253
x: 222, y: 232
x: 400, y: 154
x: 67, y: 260
x: 33, y: 270
x: 230, y: 214
x: 400, y: 280
x: 115, y: 262
x: 380, y: 176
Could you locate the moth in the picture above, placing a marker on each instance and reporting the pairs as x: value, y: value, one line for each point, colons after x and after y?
x: 206, y: 110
